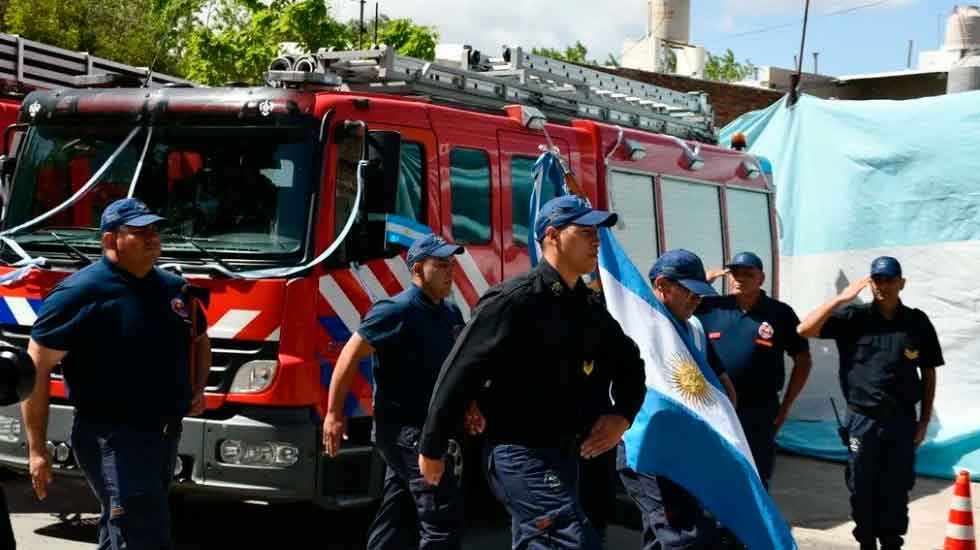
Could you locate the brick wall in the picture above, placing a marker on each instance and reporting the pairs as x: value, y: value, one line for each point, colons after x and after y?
x: 728, y: 100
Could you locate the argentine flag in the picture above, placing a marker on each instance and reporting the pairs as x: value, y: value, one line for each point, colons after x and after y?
x: 547, y: 176
x: 687, y: 429
x: 403, y: 231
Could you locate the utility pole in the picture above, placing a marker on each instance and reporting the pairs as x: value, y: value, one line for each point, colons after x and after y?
x: 794, y: 81
x: 376, y: 23
x: 360, y: 31
x: 815, y: 56
x: 908, y: 59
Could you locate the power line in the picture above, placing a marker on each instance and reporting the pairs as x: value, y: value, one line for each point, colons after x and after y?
x: 797, y: 22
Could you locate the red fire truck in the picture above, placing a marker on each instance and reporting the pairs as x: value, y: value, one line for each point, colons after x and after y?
x: 277, y: 199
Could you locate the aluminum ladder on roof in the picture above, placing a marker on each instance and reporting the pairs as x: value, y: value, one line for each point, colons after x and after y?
x: 563, y: 91
x: 26, y: 65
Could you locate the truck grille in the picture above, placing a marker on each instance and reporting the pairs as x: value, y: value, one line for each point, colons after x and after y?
x: 227, y: 356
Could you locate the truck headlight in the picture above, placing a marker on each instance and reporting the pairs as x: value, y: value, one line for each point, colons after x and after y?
x: 254, y: 377
x: 269, y: 454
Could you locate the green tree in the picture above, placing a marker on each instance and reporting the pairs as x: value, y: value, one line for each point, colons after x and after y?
x: 726, y: 68
x: 238, y: 38
x: 576, y: 53
x: 402, y: 34
x: 130, y: 31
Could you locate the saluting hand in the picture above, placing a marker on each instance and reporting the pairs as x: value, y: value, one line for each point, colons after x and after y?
x: 853, y: 289
x: 474, y: 421
x: 431, y: 468
x: 605, y: 434
x: 714, y: 274
x: 334, y: 429
x: 40, y: 469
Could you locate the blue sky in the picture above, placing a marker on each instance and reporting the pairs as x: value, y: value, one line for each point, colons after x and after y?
x: 869, y: 39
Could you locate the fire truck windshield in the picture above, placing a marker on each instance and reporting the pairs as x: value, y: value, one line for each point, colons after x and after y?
x: 243, y: 193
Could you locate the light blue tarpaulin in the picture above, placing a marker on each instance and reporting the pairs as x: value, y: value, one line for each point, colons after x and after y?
x: 857, y: 179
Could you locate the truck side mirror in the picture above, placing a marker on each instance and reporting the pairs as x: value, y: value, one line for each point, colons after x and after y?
x: 383, y: 155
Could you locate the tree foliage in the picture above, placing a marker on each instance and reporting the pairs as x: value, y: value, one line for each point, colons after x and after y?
x: 726, y: 68
x: 576, y: 53
x: 208, y: 41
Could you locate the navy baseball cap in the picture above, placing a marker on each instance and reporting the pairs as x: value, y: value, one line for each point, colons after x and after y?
x: 570, y: 209
x: 130, y: 212
x: 685, y: 268
x: 886, y: 266
x: 431, y: 246
x: 745, y: 259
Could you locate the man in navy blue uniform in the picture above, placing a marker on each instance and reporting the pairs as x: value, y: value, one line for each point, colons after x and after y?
x: 673, y: 519
x: 410, y: 335
x: 122, y: 330
x: 883, y: 348
x: 531, y: 357
x: 750, y: 332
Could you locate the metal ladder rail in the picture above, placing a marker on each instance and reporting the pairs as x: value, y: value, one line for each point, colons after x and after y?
x: 383, y: 71
x: 33, y: 64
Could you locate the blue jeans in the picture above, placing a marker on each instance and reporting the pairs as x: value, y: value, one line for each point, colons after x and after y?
x: 129, y: 469
x: 414, y: 514
x: 539, y: 487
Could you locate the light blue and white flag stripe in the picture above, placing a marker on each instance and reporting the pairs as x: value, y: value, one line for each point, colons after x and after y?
x: 403, y: 231
x: 547, y: 172
x: 687, y: 429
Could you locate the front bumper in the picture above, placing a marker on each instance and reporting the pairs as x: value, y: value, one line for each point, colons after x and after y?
x: 353, y: 479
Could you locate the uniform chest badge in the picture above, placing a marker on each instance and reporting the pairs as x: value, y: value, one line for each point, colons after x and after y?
x: 588, y: 367
x: 911, y: 354
x: 766, y: 331
x: 556, y: 288
x: 179, y: 307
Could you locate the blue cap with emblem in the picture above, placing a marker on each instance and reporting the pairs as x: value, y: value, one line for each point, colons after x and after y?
x: 886, y: 266
x: 431, y: 246
x: 567, y: 210
x: 685, y: 268
x: 745, y: 259
x: 130, y: 212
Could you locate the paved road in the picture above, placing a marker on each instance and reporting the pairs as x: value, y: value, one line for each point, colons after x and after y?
x: 810, y: 493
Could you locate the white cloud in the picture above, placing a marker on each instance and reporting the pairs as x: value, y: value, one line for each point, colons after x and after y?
x: 488, y: 24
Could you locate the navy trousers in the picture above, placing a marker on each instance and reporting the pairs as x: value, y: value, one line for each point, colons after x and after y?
x: 880, y: 473
x: 757, y: 422
x: 672, y: 518
x: 129, y: 469
x: 539, y: 487
x: 414, y: 514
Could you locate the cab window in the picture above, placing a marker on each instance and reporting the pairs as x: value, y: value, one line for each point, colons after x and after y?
x: 749, y: 226
x: 692, y: 220
x: 632, y: 197
x: 410, y: 201
x: 469, y: 180
x: 521, y: 184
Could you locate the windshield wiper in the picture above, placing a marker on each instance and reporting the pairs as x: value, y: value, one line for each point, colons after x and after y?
x: 72, y: 250
x: 211, y: 255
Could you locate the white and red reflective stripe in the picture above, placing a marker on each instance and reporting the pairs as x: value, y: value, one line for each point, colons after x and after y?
x: 350, y: 293
x: 339, y: 301
x: 473, y: 273
x: 232, y: 323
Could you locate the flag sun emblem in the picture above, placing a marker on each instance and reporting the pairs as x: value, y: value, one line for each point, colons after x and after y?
x: 688, y: 380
